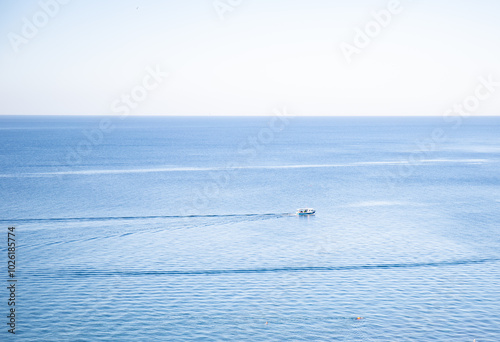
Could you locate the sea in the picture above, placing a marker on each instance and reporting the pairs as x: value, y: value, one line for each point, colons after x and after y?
x: 184, y: 228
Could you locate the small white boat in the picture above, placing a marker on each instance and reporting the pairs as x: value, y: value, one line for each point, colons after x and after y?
x: 306, y: 211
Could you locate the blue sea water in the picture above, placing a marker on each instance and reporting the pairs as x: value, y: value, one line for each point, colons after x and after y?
x: 182, y: 229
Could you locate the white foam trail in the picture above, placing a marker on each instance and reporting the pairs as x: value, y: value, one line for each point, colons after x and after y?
x: 229, y: 169
x: 175, y: 169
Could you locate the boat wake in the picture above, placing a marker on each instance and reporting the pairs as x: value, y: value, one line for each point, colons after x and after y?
x: 215, y: 272
x: 246, y: 167
x: 113, y: 218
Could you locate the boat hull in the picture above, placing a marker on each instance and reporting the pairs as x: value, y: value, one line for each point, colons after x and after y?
x: 305, y: 211
x: 306, y: 214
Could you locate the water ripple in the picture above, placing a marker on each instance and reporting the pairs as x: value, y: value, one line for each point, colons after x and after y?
x: 105, y: 273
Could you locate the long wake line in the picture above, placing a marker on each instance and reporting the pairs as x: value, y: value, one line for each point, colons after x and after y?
x: 109, y: 218
x: 257, y: 167
x: 96, y: 273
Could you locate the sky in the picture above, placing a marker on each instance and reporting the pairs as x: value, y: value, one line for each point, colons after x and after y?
x: 249, y: 57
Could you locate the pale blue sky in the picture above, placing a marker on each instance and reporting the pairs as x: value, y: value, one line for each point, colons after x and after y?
x: 265, y: 54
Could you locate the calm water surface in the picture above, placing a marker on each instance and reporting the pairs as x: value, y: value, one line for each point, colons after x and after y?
x: 180, y: 229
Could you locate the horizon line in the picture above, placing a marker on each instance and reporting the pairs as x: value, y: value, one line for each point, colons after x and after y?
x: 232, y: 116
